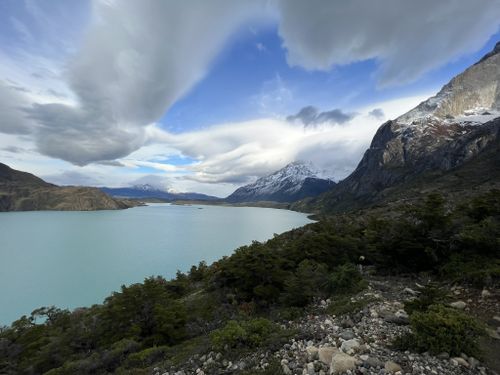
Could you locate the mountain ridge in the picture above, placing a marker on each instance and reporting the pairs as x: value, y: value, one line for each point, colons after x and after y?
x: 439, y: 135
x: 23, y: 191
x: 150, y: 192
x: 295, y: 181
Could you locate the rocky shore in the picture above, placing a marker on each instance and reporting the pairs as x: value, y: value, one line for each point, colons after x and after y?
x: 360, y: 342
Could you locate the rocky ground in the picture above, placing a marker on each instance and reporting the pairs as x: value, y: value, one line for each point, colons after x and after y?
x: 359, y: 342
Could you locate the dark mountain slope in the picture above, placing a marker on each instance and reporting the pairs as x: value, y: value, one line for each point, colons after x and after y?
x: 21, y: 191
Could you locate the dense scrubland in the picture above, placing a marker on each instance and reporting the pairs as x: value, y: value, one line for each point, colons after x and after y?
x: 238, y: 302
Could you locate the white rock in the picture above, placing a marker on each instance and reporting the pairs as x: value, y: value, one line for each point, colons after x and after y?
x: 460, y: 361
x: 312, y: 353
x: 350, y: 346
x: 341, y: 363
x: 458, y: 305
x: 392, y: 367
x: 485, y: 293
x: 325, y: 354
x: 310, y: 369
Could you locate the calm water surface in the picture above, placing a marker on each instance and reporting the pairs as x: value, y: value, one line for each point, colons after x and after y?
x: 71, y: 259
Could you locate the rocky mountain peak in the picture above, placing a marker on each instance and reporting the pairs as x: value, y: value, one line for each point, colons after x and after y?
x: 472, y: 97
x: 442, y: 133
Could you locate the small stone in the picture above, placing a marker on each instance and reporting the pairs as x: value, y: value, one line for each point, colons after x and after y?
x: 347, y: 335
x: 460, y: 305
x: 341, y: 363
x: 443, y: 355
x: 310, y: 368
x: 350, y: 346
x: 485, y: 293
x: 392, y: 367
x: 325, y: 354
x: 460, y: 361
x: 347, y: 323
x: 286, y: 370
x: 473, y: 362
x: 373, y: 362
x: 312, y: 353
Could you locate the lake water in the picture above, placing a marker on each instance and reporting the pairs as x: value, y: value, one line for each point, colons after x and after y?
x: 71, y: 259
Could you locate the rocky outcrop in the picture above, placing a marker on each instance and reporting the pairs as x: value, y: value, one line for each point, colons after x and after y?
x: 21, y: 191
x: 440, y: 134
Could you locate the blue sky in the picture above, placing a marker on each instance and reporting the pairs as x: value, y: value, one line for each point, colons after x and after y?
x: 253, y: 63
x: 197, y: 94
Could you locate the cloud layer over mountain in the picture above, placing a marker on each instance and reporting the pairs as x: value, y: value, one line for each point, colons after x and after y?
x: 139, y: 57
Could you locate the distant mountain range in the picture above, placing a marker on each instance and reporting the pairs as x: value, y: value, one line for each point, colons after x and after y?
x: 437, y: 142
x: 147, y: 191
x: 22, y: 191
x: 295, y: 181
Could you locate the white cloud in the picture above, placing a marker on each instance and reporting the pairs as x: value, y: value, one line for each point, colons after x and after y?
x: 235, y: 153
x: 407, y: 38
x: 139, y: 57
x: 137, y: 60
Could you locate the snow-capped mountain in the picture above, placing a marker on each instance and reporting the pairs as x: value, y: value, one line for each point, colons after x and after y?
x: 295, y: 181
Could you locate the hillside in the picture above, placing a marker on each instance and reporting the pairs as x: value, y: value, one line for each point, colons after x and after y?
x: 150, y: 192
x: 21, y: 191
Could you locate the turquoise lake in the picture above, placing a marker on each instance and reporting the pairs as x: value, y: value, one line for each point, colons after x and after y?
x: 72, y: 259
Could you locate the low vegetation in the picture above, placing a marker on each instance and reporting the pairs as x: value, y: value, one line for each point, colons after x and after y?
x: 235, y: 300
x: 438, y: 328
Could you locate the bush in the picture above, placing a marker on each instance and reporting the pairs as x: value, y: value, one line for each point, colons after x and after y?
x: 146, y: 357
x: 346, y: 279
x: 251, y: 333
x: 442, y: 329
x: 308, y: 281
x: 345, y: 305
x: 430, y: 295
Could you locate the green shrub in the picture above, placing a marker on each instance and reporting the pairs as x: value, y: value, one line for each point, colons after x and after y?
x: 250, y: 333
x: 430, y: 295
x: 345, y: 279
x: 308, y: 281
x: 344, y: 305
x: 442, y: 329
x: 146, y: 357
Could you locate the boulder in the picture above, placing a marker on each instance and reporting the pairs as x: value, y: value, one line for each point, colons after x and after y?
x: 460, y: 305
x: 325, y: 354
x: 341, y: 363
x: 350, y: 346
x: 312, y: 353
x: 459, y: 361
x: 392, y: 367
x: 347, y: 335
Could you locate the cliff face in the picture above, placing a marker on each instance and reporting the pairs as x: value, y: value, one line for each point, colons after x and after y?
x: 21, y: 191
x: 440, y: 134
